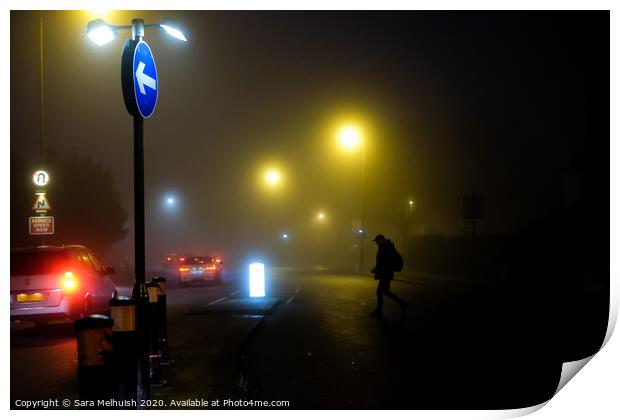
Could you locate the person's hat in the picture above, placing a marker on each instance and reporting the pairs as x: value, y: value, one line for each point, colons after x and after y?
x: 379, y: 237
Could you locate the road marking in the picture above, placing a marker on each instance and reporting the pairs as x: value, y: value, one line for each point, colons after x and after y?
x: 234, y: 293
x: 298, y: 288
x: 290, y: 299
x: 216, y: 301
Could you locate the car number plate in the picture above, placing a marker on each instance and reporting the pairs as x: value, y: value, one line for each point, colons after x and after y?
x: 30, y: 297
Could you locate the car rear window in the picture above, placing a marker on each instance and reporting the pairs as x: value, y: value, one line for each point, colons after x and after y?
x: 29, y: 263
x: 199, y: 260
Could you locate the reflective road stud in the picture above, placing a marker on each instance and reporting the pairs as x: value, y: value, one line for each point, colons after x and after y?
x: 95, y: 377
x: 126, y: 350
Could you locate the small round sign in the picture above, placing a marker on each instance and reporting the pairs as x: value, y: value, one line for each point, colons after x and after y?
x: 40, y: 178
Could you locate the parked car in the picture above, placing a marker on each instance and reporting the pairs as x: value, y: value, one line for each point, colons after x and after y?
x: 200, y: 269
x: 58, y: 282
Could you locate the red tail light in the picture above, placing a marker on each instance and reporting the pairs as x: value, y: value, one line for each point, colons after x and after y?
x: 69, y: 282
x: 184, y: 269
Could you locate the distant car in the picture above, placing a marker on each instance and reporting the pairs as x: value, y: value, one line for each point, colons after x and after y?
x: 200, y: 269
x: 58, y: 282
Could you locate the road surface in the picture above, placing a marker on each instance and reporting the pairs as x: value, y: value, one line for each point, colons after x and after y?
x: 321, y: 349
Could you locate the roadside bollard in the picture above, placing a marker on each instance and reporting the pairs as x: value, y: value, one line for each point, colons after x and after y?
x: 95, y: 376
x: 154, y: 365
x: 126, y: 354
x: 164, y: 351
x: 141, y: 297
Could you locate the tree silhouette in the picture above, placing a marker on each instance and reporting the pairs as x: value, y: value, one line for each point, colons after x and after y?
x: 86, y: 207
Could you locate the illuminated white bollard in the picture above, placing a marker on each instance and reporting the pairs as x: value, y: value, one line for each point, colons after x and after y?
x: 257, y: 280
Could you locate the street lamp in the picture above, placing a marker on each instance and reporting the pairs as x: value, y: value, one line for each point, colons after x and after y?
x: 350, y: 138
x: 140, y: 91
x: 102, y: 33
x: 320, y: 216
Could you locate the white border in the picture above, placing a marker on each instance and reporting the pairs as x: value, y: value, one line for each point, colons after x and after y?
x: 593, y: 394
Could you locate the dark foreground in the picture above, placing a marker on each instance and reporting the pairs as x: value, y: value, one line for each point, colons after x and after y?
x: 458, y: 347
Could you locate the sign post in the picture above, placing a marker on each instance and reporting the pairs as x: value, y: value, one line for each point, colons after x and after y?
x: 140, y: 91
x: 139, y: 82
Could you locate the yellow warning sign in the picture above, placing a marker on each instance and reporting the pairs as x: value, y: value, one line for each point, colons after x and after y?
x: 41, y: 202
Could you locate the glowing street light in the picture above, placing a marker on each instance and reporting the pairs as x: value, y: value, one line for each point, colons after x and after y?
x: 173, y: 28
x: 350, y: 137
x: 320, y: 216
x: 273, y: 177
x: 102, y: 33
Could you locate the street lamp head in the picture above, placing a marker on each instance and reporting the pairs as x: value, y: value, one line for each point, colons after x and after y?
x: 100, y: 32
x: 321, y: 216
x: 174, y: 29
x: 349, y: 137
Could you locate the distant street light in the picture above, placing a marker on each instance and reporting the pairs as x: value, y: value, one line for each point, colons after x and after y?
x: 285, y: 236
x: 273, y: 177
x: 320, y: 216
x: 170, y: 201
x: 350, y: 138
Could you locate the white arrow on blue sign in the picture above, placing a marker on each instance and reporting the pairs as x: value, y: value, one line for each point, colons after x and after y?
x: 144, y: 79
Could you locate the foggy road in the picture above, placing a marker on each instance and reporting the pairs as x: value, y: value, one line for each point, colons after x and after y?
x: 325, y: 351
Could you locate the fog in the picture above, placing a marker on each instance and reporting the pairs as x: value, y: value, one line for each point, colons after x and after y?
x: 447, y: 105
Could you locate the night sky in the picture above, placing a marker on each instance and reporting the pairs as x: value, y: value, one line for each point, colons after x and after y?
x: 504, y: 104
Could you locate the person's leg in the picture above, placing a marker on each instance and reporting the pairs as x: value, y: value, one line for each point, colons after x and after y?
x: 378, y: 312
x: 387, y: 292
x: 380, y: 291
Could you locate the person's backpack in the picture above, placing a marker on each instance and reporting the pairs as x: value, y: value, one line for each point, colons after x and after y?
x: 397, y: 261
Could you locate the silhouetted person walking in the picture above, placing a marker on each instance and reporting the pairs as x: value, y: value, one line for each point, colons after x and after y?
x: 384, y: 272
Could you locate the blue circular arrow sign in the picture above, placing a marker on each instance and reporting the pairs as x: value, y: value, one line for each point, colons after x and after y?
x: 144, y: 79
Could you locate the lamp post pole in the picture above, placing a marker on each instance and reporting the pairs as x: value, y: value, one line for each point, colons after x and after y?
x: 363, y: 208
x: 137, y: 34
x: 140, y: 293
x: 138, y: 74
